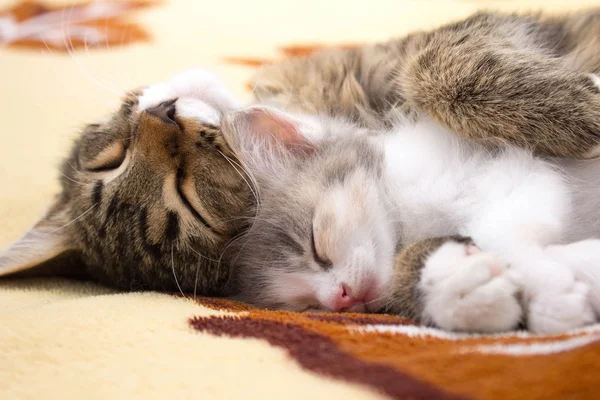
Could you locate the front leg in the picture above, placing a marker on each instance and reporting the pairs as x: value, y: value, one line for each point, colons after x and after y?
x: 449, y: 283
x: 497, y: 87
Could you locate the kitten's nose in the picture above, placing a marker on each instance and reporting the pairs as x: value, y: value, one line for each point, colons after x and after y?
x: 345, y: 299
x: 165, y: 111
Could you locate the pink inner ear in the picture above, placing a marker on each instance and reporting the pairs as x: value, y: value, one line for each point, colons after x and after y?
x: 264, y: 123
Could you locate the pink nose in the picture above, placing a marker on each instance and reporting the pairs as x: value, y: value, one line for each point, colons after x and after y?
x: 345, y: 299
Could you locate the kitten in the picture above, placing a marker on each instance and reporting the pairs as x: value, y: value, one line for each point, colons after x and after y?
x: 335, y: 203
x: 149, y: 197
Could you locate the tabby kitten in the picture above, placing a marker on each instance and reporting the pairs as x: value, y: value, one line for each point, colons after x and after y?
x: 149, y: 198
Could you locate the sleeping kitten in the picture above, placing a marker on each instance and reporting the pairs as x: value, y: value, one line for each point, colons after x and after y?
x: 150, y: 197
x: 335, y: 204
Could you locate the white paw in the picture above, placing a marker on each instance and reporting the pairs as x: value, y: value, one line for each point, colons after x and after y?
x: 552, y: 312
x: 557, y: 308
x: 206, y: 86
x: 469, y: 290
x: 583, y: 258
x: 195, y: 84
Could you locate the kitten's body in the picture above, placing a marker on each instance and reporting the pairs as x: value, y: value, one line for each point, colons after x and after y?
x: 405, y: 185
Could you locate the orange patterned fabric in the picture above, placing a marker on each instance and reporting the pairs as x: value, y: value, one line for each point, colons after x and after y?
x: 34, y: 24
x: 401, y: 360
x: 284, y: 52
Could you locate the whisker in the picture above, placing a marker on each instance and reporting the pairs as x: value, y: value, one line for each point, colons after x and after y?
x: 383, y: 296
x: 71, y: 50
x: 72, y: 180
x: 123, y: 36
x: 201, y: 255
x: 227, y: 246
x: 76, y: 219
x: 173, y: 268
x: 196, y: 277
x: 251, y: 187
x: 69, y: 84
x: 100, y: 73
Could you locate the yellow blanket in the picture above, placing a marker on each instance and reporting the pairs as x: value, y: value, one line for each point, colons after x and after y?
x: 64, y: 339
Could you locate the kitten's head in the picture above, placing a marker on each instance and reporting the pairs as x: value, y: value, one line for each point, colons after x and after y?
x: 321, y: 237
x: 149, y: 198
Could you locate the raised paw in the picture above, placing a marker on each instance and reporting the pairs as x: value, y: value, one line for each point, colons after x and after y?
x: 466, y: 289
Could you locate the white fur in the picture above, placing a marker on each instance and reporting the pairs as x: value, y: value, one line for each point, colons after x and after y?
x: 200, y: 94
x: 511, y: 203
x: 583, y: 258
x: 596, y: 80
x: 198, y: 110
x: 154, y: 95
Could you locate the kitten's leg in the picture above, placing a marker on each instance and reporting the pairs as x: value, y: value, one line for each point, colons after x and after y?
x: 449, y: 283
x: 486, y: 89
x: 513, y: 79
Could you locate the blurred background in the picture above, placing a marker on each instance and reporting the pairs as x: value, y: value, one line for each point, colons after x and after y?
x: 66, y: 63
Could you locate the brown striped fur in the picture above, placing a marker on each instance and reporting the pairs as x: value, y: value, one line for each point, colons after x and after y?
x: 522, y: 79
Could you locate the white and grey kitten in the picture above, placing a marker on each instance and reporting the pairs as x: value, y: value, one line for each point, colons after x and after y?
x: 335, y: 203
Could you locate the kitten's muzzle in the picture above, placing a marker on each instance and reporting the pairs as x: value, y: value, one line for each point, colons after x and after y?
x: 165, y: 111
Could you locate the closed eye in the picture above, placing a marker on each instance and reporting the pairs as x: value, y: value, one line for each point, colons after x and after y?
x: 186, y: 202
x: 110, y: 158
x: 323, y: 261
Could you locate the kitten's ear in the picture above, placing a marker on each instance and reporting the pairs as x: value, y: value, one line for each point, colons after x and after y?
x: 263, y: 136
x: 47, y: 241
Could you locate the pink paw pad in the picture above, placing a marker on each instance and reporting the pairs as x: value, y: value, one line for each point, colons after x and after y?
x: 471, y: 249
